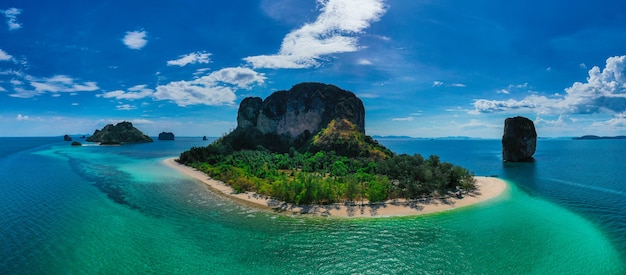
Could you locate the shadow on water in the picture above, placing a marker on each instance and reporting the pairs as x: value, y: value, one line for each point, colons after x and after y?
x: 524, y: 174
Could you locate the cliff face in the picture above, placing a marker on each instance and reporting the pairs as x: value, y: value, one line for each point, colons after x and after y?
x: 292, y: 118
x: 519, y: 141
x: 123, y: 132
x: 305, y: 107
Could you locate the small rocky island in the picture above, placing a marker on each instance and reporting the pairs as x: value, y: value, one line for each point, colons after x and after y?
x: 519, y: 141
x: 166, y: 136
x: 307, y: 145
x: 123, y: 132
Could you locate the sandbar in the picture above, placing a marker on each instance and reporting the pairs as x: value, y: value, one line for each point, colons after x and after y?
x: 487, y: 188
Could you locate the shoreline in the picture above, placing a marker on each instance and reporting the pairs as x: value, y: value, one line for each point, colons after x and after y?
x: 488, y: 188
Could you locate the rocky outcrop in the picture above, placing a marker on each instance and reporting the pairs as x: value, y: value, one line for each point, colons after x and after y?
x: 294, y: 117
x: 67, y: 138
x: 166, y: 136
x: 76, y: 143
x: 519, y: 141
x: 121, y: 133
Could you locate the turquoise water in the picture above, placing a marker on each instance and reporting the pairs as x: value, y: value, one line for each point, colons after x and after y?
x: 111, y: 210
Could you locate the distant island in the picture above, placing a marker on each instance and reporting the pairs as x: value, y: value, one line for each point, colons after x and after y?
x: 307, y: 145
x: 592, y: 137
x: 166, y: 136
x: 121, y: 133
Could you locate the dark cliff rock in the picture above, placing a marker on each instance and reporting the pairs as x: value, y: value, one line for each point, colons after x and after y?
x: 519, y: 141
x: 67, y: 138
x: 166, y: 136
x: 121, y: 133
x: 294, y: 117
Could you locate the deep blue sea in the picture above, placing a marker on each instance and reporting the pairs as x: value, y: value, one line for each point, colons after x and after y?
x: 119, y: 210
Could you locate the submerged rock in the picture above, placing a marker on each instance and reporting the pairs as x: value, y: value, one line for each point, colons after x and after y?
x: 519, y: 140
x: 166, y: 136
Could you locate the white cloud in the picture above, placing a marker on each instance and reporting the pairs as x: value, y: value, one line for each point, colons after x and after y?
x: 364, y: 61
x: 125, y: 107
x: 217, y: 88
x: 133, y: 93
x: 618, y: 121
x: 60, y: 83
x: 192, y: 58
x: 441, y: 83
x: 135, y: 39
x: 75, y: 104
x: 11, y: 15
x: 332, y: 32
x: 409, y: 118
x: 5, y: 56
x: 29, y: 86
x: 21, y: 117
x: 603, y: 91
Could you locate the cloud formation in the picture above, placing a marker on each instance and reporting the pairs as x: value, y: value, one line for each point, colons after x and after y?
x: 11, y: 15
x: 31, y: 86
x: 135, y: 39
x: 192, y: 58
x: 133, y: 93
x: 216, y: 88
x: 332, y: 32
x: 21, y: 117
x: 603, y: 91
x: 409, y: 118
x: 5, y: 56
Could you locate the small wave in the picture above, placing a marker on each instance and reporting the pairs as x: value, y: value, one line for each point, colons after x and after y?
x: 591, y: 187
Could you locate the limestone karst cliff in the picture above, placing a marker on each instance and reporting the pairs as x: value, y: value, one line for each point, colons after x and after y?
x: 519, y: 140
x: 293, y: 118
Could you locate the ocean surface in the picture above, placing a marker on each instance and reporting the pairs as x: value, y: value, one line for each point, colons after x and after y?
x: 119, y: 210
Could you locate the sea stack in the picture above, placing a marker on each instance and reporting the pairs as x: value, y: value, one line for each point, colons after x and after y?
x: 166, y: 136
x: 519, y: 141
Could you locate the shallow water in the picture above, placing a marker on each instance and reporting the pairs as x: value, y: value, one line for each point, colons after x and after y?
x: 97, y: 209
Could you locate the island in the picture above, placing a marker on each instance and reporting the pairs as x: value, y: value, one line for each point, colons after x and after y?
x: 305, y: 151
x: 166, y: 136
x: 594, y: 137
x: 121, y: 133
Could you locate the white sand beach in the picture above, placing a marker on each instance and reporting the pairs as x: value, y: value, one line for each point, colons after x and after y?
x: 488, y: 188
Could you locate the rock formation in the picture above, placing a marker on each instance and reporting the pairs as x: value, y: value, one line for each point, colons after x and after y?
x: 166, y: 136
x: 121, y: 133
x: 76, y: 143
x: 293, y: 118
x: 519, y: 141
x: 67, y: 138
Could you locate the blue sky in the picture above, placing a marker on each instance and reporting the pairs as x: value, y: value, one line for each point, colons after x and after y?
x: 422, y: 68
